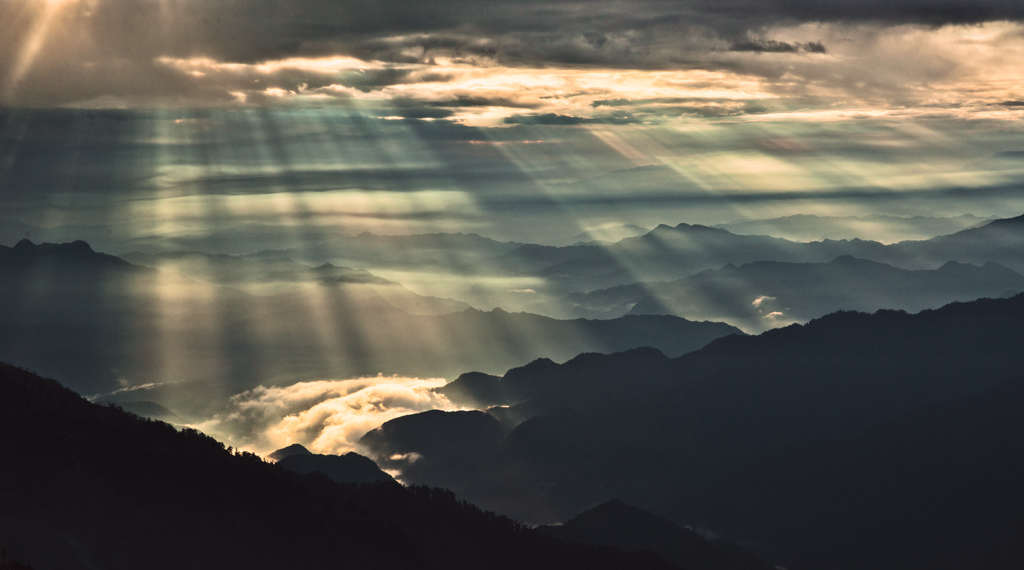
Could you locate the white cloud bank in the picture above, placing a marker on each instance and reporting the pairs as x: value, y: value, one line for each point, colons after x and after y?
x: 326, y: 416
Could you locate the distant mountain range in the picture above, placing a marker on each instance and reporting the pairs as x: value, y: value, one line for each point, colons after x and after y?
x: 766, y: 294
x: 628, y: 528
x: 487, y: 273
x: 669, y: 253
x: 889, y: 229
x: 84, y: 486
x: 674, y: 252
x: 269, y: 274
x: 105, y: 325
x: 644, y: 428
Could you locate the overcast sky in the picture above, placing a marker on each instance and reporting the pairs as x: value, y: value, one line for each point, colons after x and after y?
x: 438, y: 115
x: 488, y: 60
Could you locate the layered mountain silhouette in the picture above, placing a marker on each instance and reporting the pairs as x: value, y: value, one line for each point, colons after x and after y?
x: 588, y: 376
x: 669, y: 253
x: 536, y: 278
x: 765, y: 294
x: 85, y: 486
x: 276, y: 274
x: 631, y: 529
x: 231, y: 269
x: 805, y: 227
x: 453, y: 253
x: 103, y: 325
x: 147, y: 409
x: 348, y: 468
x: 585, y: 431
x: 998, y: 241
x: 575, y: 280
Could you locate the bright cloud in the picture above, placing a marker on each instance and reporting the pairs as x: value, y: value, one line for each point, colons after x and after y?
x: 531, y: 63
x: 761, y: 300
x: 326, y: 416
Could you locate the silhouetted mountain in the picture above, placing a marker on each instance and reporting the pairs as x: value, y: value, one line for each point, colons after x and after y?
x: 538, y: 277
x: 680, y: 424
x: 104, y: 324
x: 807, y: 228
x: 607, y: 234
x: 279, y: 274
x: 151, y: 410
x: 348, y: 468
x: 999, y: 241
x: 232, y: 270
x: 84, y: 486
x: 668, y: 252
x: 766, y: 294
x: 938, y: 487
x: 453, y: 441
x: 631, y: 529
x: 293, y: 449
x: 452, y: 253
x: 26, y: 255
x: 588, y: 376
x: 63, y: 306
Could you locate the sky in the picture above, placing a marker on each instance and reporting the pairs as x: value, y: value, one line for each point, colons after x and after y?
x: 518, y: 120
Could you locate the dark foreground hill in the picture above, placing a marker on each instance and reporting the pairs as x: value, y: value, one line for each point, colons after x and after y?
x: 615, y: 523
x: 85, y: 486
x: 348, y: 468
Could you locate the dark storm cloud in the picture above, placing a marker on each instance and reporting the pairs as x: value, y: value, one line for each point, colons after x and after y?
x: 775, y: 46
x: 403, y: 31
x: 663, y: 107
x: 573, y: 33
x: 471, y: 101
x: 138, y: 50
x: 556, y: 119
x: 899, y: 12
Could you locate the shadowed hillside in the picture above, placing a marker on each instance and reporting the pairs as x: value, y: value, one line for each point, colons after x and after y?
x: 615, y: 523
x: 84, y: 486
x: 680, y: 424
x: 762, y: 295
x: 938, y: 487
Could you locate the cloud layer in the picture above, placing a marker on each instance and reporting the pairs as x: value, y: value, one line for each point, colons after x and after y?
x: 326, y: 416
x: 522, y: 62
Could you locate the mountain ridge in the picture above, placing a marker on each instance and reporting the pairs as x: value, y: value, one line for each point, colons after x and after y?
x: 86, y: 486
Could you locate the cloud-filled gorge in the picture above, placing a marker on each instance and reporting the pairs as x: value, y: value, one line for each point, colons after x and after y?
x: 326, y: 416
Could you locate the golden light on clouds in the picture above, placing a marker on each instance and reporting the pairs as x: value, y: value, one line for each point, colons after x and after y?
x: 960, y: 70
x: 326, y: 416
x: 512, y: 89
